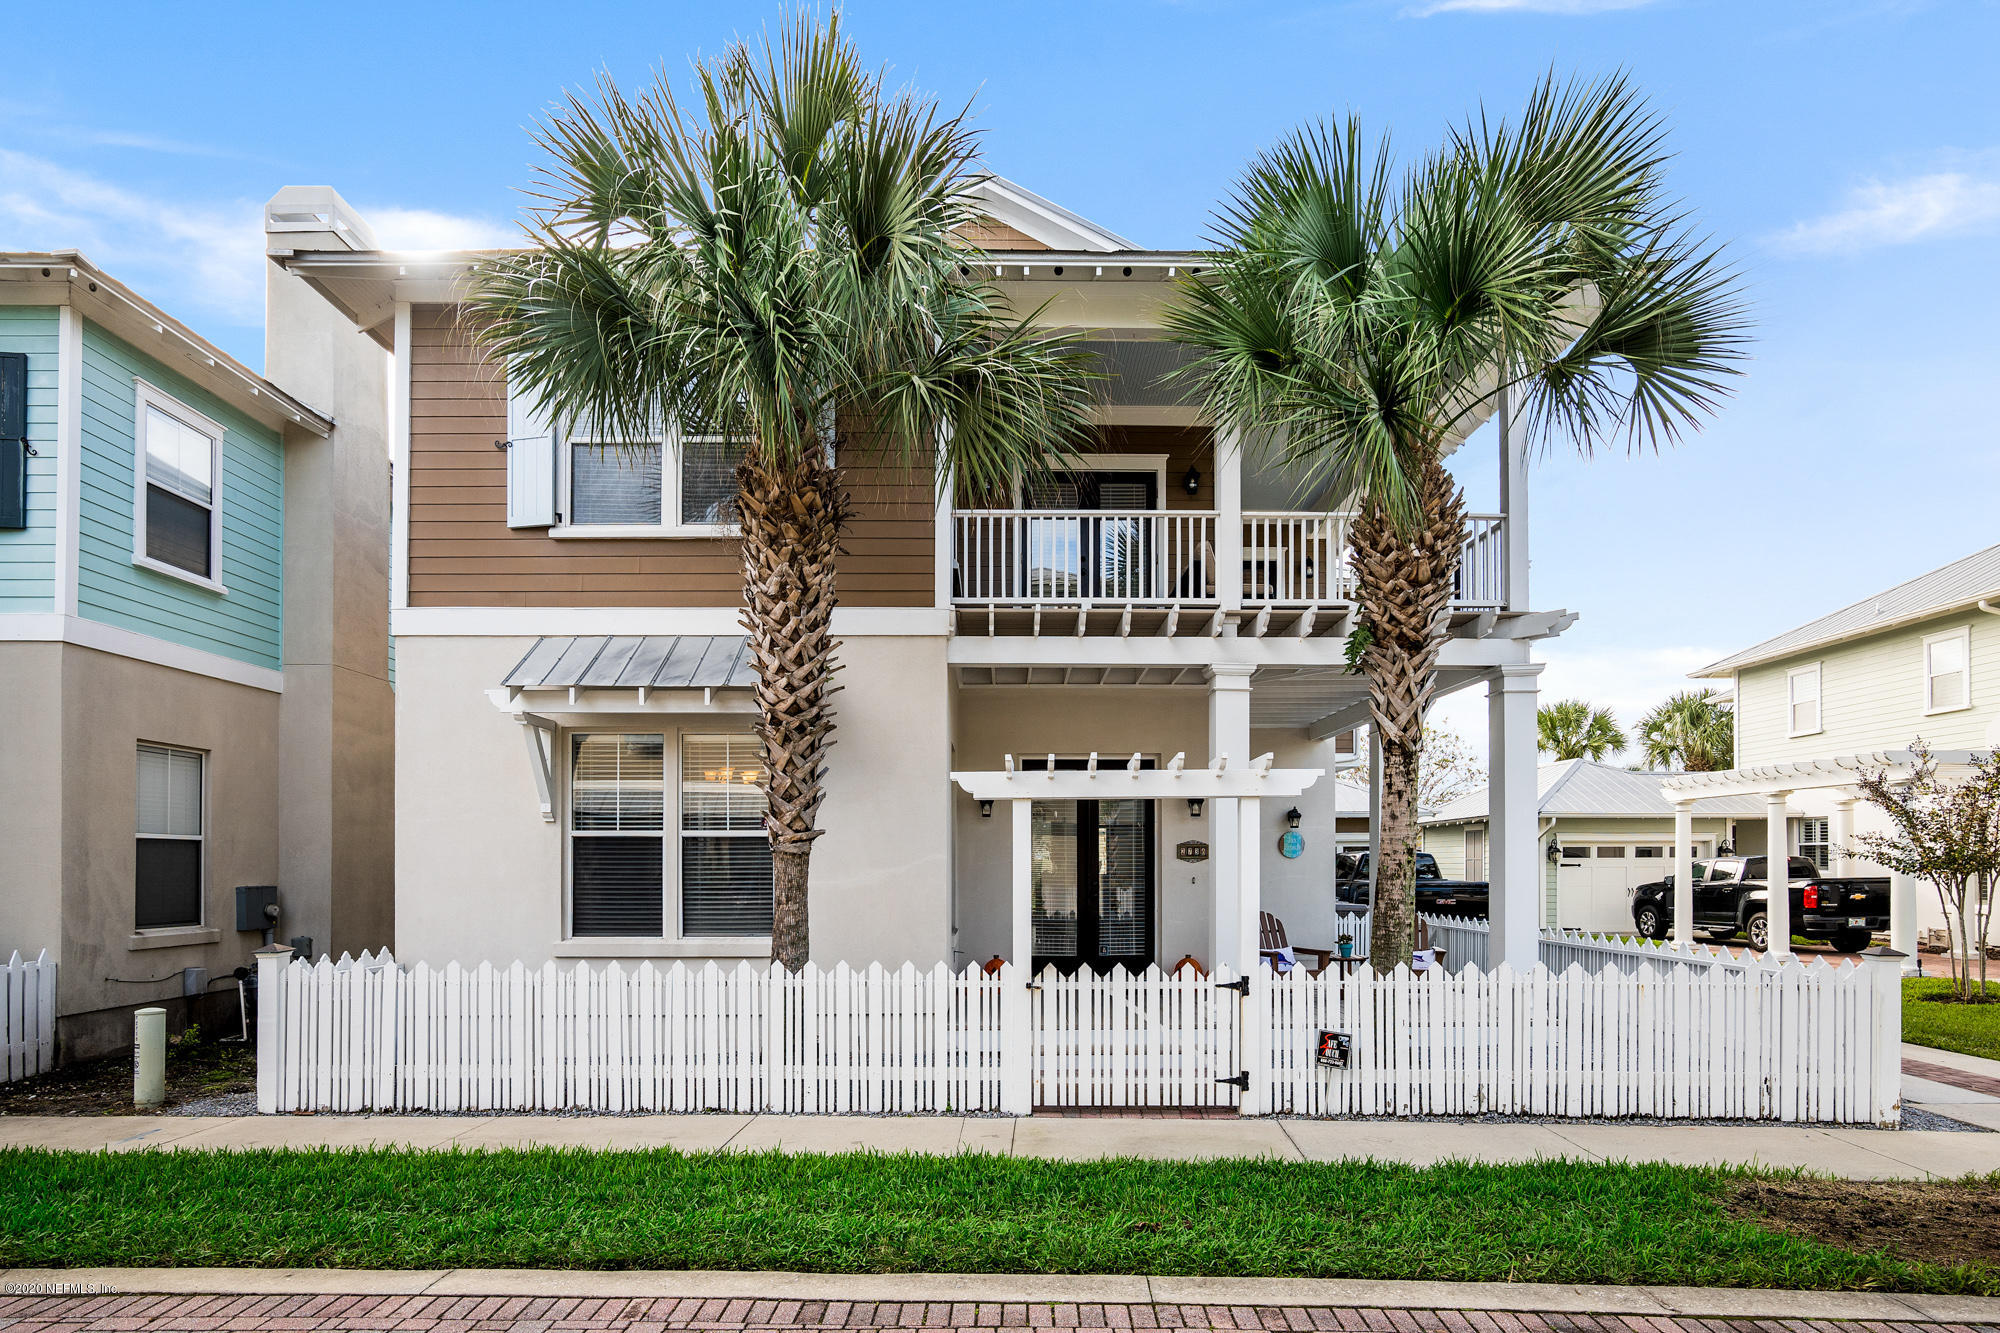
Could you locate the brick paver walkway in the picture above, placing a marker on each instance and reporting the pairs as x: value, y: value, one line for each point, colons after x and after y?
x: 1957, y: 1078
x: 549, y: 1314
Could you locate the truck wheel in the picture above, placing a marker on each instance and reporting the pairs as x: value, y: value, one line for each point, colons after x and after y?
x: 1758, y: 928
x: 1852, y: 941
x: 1651, y: 923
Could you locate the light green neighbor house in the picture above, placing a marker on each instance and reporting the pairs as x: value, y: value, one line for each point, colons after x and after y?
x: 1602, y: 830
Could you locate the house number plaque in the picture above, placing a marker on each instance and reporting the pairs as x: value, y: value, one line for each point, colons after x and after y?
x: 1192, y: 851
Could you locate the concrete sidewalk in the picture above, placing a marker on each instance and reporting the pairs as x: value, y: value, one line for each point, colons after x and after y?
x: 133, y: 1299
x: 1856, y: 1154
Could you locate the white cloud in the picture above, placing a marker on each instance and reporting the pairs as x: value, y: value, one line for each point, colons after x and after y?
x: 1628, y: 681
x: 1880, y: 213
x: 193, y: 258
x: 1527, y: 7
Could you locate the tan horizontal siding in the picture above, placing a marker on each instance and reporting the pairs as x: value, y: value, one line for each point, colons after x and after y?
x: 462, y: 553
x: 991, y: 234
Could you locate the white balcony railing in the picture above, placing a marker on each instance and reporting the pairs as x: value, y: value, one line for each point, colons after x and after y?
x: 1029, y: 557
x: 1036, y: 557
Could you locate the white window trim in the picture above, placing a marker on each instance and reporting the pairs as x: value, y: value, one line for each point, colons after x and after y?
x: 670, y: 942
x: 670, y: 499
x: 1153, y: 463
x: 1819, y: 700
x: 1964, y: 636
x: 186, y: 932
x: 144, y: 396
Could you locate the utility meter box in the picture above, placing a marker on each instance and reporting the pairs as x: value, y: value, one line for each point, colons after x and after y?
x: 256, y: 906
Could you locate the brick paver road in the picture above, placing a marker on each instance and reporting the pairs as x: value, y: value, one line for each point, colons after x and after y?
x: 549, y: 1314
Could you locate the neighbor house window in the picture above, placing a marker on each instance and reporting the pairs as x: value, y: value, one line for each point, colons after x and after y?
x: 725, y: 850
x: 177, y: 514
x: 617, y: 834
x: 1802, y: 697
x: 1947, y: 671
x: 168, y: 883
x: 1814, y: 844
x: 687, y: 482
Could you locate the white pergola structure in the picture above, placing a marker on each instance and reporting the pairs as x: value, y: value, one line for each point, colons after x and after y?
x: 1233, y: 791
x: 1777, y: 783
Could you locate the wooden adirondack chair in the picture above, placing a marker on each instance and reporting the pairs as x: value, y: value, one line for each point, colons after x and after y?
x: 1271, y: 938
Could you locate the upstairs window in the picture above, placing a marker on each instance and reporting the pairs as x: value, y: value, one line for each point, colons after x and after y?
x: 177, y: 514
x: 1802, y: 691
x: 683, y: 483
x: 171, y: 807
x: 1947, y: 671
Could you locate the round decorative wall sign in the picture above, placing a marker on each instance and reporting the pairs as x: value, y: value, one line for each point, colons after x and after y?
x: 1292, y: 844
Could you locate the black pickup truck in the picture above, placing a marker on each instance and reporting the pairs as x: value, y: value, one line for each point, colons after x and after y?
x: 1435, y: 893
x: 1731, y: 892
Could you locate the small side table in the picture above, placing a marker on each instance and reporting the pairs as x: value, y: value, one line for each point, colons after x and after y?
x: 1346, y: 965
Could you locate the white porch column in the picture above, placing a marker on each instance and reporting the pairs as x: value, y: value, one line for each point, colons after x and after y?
x: 1229, y: 520
x: 1903, y: 920
x: 1513, y: 509
x: 1229, y: 740
x: 1017, y: 1073
x: 1778, y: 875
x: 1515, y: 894
x: 1840, y: 832
x: 1683, y: 872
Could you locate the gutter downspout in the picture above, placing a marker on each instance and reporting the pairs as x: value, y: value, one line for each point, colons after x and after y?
x: 1988, y: 607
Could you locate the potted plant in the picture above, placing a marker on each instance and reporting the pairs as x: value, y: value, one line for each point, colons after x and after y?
x: 1345, y: 943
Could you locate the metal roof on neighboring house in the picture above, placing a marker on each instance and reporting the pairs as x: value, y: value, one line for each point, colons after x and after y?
x: 1580, y: 789
x: 649, y: 661
x: 1961, y: 583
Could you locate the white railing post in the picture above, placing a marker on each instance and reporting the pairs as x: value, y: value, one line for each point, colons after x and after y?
x: 1885, y: 971
x: 1229, y: 519
x: 1513, y: 594
x: 271, y: 962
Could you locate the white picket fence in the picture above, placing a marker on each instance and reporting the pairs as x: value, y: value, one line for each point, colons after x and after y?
x: 27, y: 1016
x: 371, y: 1035
x: 1564, y: 948
x: 1789, y: 1042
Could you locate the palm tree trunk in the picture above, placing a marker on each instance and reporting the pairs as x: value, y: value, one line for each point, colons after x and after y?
x: 1403, y: 583
x: 791, y: 516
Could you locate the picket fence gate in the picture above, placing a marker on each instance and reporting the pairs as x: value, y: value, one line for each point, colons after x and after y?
x: 1790, y: 1042
x: 27, y: 1016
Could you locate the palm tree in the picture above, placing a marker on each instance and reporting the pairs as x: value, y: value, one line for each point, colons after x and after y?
x: 776, y: 261
x: 1369, y: 320
x: 1694, y: 731
x: 1573, y: 729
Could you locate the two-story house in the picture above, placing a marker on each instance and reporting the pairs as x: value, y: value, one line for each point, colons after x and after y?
x: 1851, y: 691
x: 194, y: 644
x: 1053, y: 702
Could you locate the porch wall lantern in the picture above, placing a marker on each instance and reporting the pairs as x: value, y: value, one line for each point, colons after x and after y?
x: 1292, y: 817
x: 1192, y: 481
x: 986, y: 809
x: 1555, y: 851
x: 1194, y: 807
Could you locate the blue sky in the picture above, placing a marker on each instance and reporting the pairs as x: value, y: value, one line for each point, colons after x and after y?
x: 1848, y: 150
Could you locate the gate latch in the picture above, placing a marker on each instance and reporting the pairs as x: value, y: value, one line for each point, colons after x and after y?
x: 1241, y: 986
x: 1241, y: 1082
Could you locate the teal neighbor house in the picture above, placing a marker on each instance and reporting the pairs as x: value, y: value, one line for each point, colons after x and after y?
x: 194, y: 645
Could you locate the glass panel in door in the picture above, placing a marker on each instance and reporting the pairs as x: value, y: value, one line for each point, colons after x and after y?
x: 1074, y: 554
x: 1053, y: 840
x: 1124, y: 883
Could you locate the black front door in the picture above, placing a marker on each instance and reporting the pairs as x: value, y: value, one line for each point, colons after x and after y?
x: 1093, y: 881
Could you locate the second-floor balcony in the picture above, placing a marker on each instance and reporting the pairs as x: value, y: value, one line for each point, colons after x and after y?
x: 1180, y: 571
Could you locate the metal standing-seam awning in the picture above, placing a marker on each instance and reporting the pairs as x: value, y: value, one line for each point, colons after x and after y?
x: 600, y: 675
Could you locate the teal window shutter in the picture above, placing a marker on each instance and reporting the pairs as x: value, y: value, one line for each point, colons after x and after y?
x: 13, y: 439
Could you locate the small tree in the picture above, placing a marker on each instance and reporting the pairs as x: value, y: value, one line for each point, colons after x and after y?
x: 1577, y: 729
x: 1446, y: 769
x: 1694, y: 731
x: 1949, y: 834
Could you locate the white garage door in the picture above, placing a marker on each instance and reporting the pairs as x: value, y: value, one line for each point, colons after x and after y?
x: 1594, y: 880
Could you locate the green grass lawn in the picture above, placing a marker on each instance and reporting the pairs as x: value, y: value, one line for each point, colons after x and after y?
x: 1969, y: 1029
x: 1552, y: 1222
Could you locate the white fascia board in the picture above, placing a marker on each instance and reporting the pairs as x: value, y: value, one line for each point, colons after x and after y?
x: 1115, y: 782
x: 499, y: 622
x: 49, y: 627
x: 1201, y: 650
x: 1043, y: 219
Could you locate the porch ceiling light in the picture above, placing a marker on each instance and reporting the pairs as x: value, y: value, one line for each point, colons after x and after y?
x: 1292, y: 817
x: 986, y: 809
x: 1194, y: 807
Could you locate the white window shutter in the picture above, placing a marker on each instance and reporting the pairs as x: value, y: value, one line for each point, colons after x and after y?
x: 531, y: 461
